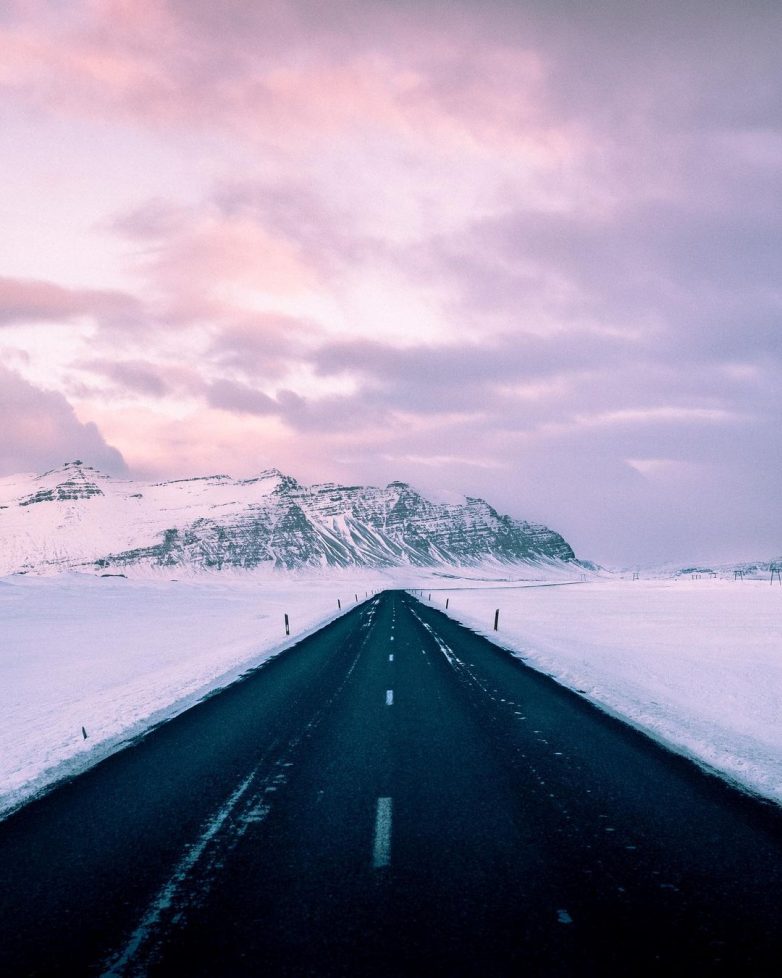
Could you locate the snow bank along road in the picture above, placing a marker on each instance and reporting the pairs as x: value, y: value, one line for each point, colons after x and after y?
x: 392, y: 796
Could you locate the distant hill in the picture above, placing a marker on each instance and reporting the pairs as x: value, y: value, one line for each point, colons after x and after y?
x: 746, y: 569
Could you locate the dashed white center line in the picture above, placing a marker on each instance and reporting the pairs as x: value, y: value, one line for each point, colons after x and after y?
x: 381, y: 850
x: 391, y: 657
x: 389, y: 697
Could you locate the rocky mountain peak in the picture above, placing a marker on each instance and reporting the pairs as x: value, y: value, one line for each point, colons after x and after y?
x: 74, y: 469
x: 215, y: 522
x: 67, y: 483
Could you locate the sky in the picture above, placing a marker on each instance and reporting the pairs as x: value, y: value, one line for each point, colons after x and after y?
x: 530, y: 251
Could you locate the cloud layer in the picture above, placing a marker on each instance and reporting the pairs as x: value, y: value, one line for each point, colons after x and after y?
x: 527, y: 250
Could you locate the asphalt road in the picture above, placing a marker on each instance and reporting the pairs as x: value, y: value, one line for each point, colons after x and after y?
x: 393, y: 796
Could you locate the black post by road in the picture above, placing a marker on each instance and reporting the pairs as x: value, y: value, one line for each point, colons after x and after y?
x: 446, y: 603
x: 339, y: 604
x: 496, y: 619
x: 287, y: 626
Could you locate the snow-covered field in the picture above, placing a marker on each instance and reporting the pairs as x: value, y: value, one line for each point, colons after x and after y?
x: 695, y: 663
x: 115, y: 656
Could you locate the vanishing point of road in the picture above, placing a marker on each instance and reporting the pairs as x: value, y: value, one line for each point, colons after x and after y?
x: 392, y: 796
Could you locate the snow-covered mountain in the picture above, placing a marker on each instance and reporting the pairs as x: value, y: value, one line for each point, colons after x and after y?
x: 77, y: 517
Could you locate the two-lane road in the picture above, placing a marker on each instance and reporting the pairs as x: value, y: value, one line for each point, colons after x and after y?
x: 393, y: 796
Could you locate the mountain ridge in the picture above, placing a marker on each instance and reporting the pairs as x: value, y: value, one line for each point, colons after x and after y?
x: 76, y: 517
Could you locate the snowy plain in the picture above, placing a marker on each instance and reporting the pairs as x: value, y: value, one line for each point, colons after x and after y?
x: 697, y: 664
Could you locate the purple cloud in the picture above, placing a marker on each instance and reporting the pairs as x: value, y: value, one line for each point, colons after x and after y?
x: 241, y: 398
x: 133, y: 376
x: 260, y: 345
x: 41, y: 430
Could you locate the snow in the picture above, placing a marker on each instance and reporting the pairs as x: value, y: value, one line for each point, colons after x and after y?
x: 697, y: 664
x: 75, y: 517
x: 118, y: 656
x: 126, y: 514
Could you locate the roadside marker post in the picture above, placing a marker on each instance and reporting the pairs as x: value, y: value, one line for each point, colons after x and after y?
x: 446, y: 603
x: 496, y: 619
x: 287, y: 626
x: 339, y: 604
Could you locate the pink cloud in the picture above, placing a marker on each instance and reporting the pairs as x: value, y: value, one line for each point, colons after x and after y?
x: 279, y: 72
x: 29, y: 300
x: 207, y: 265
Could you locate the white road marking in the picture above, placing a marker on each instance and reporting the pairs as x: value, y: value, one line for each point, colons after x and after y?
x: 389, y: 697
x: 564, y: 917
x: 381, y: 850
x: 391, y: 657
